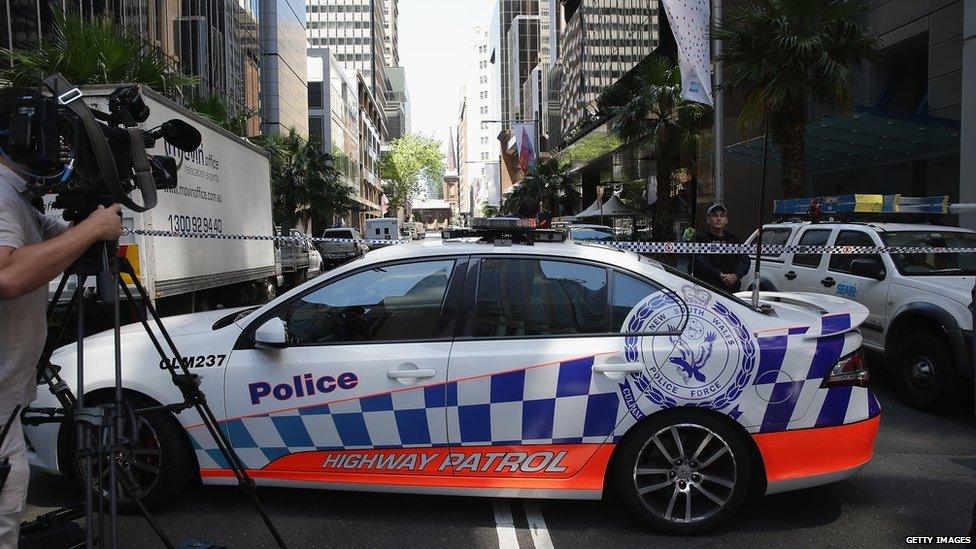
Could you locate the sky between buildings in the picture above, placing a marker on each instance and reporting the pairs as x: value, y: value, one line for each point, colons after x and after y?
x: 435, y: 44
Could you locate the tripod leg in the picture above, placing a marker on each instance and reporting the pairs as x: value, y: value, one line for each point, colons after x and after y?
x: 82, y: 433
x: 199, y: 400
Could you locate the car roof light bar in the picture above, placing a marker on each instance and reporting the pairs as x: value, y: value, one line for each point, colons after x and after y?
x: 505, y: 231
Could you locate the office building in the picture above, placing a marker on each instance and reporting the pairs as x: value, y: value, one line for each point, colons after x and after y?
x: 284, y: 88
x: 910, y: 128
x: 333, y: 121
x: 355, y: 33
x: 391, y: 42
x: 372, y: 129
x: 216, y: 41
x: 397, y: 104
x: 500, y: 39
x: 478, y: 170
x: 601, y: 42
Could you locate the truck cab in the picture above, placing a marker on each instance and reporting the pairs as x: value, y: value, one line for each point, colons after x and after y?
x: 919, y: 302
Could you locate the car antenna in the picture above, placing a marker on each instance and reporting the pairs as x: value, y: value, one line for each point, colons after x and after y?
x: 762, y: 202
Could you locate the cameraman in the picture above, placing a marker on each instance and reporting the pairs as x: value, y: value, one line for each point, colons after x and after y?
x: 34, y: 249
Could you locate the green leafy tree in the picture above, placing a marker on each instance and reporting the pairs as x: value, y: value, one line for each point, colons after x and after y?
x: 787, y: 54
x: 548, y: 185
x: 413, y: 158
x: 304, y: 184
x: 650, y: 112
x: 94, y: 50
x: 216, y: 109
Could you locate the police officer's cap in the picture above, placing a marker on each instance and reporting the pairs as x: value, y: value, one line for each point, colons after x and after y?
x: 716, y: 209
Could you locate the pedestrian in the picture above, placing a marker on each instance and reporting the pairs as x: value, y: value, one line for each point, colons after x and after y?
x: 34, y: 249
x: 724, y: 271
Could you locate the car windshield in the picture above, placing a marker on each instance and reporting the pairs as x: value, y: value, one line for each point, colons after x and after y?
x: 592, y: 233
x: 932, y: 264
x: 338, y: 233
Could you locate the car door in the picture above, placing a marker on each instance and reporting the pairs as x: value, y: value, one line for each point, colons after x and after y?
x: 804, y: 272
x: 358, y: 390
x: 537, y: 371
x: 869, y: 292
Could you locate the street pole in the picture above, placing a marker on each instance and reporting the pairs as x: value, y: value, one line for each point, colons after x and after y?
x: 762, y: 207
x: 719, y: 112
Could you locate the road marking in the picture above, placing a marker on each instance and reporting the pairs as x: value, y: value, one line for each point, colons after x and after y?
x: 537, y: 526
x: 505, y: 525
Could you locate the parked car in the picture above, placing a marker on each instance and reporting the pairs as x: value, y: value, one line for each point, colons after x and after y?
x: 338, y: 252
x: 919, y: 317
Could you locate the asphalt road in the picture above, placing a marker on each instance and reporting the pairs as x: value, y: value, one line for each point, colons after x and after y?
x: 921, y: 482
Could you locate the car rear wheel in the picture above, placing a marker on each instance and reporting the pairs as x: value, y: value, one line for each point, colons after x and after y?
x: 156, y: 458
x: 684, y: 472
x: 925, y: 373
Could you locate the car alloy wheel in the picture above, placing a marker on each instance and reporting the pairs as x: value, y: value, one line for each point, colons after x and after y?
x: 685, y: 473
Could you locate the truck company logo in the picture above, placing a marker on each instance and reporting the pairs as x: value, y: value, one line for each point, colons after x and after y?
x: 301, y: 386
x: 707, y: 365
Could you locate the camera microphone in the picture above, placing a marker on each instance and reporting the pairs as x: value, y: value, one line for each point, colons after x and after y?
x: 179, y: 134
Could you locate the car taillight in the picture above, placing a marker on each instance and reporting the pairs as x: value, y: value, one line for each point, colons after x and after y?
x: 851, y: 370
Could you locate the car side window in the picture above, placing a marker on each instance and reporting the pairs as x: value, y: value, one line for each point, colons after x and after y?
x: 389, y: 303
x: 631, y: 294
x: 533, y: 297
x: 774, y: 237
x: 842, y: 262
x: 815, y: 237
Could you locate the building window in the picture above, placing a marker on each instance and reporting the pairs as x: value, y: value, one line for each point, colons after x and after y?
x: 316, y: 128
x: 315, y: 99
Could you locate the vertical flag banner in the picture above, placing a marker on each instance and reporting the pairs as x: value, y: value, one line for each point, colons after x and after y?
x: 384, y: 204
x: 690, y: 20
x: 525, y: 144
x: 493, y: 184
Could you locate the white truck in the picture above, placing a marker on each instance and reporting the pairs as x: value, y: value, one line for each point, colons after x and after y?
x: 224, y: 187
x: 383, y: 228
x: 919, y: 303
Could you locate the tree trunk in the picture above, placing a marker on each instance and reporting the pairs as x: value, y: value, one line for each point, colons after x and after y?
x: 788, y: 128
x: 662, y: 226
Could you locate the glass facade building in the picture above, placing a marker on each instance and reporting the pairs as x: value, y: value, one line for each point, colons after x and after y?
x: 601, y: 42
x: 215, y: 40
x: 283, y: 67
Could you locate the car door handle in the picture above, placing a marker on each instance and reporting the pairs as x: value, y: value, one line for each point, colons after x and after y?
x: 619, y: 368
x: 420, y: 373
x: 790, y: 275
x: 828, y: 282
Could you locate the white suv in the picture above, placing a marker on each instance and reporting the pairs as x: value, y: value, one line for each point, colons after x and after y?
x: 919, y: 303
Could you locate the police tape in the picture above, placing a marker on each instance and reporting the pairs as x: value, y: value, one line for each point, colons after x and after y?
x: 639, y: 247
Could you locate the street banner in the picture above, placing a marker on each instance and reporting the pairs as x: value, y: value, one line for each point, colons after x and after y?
x: 690, y: 20
x: 525, y: 140
x: 384, y: 204
x: 493, y: 184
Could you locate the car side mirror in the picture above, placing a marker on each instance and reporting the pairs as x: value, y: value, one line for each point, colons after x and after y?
x: 271, y: 334
x: 867, y: 268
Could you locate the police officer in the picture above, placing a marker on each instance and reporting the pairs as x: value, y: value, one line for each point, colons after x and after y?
x: 723, y: 271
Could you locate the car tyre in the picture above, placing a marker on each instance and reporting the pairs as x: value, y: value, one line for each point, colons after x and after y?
x: 159, y: 458
x: 925, y: 373
x: 689, y: 488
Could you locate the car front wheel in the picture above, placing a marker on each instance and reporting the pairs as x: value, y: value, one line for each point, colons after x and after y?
x: 156, y: 459
x: 684, y: 472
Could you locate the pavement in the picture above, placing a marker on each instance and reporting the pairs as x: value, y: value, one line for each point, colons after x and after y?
x: 921, y: 482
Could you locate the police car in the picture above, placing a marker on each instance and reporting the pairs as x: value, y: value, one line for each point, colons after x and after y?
x: 919, y: 302
x: 504, y: 366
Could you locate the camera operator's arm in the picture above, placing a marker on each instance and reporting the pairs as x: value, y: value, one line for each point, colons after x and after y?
x: 24, y: 269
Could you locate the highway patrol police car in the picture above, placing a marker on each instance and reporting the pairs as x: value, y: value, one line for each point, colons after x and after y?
x: 490, y: 368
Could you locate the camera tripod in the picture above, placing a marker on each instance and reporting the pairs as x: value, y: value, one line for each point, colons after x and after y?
x: 100, y: 436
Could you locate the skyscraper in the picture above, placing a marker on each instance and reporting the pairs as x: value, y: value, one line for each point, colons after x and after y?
x: 355, y: 33
x: 506, y: 61
x: 391, y: 44
x: 479, y: 144
x: 284, y: 82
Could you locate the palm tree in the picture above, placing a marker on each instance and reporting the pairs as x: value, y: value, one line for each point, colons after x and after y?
x: 548, y: 185
x: 651, y: 113
x: 787, y: 54
x: 94, y: 51
x: 304, y: 184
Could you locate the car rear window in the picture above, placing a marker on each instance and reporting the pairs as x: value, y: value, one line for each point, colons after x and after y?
x: 338, y: 233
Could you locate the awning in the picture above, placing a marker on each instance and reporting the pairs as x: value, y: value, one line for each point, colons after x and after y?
x: 611, y: 208
x: 866, y: 137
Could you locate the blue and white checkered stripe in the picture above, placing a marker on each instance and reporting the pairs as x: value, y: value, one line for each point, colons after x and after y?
x: 509, y: 408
